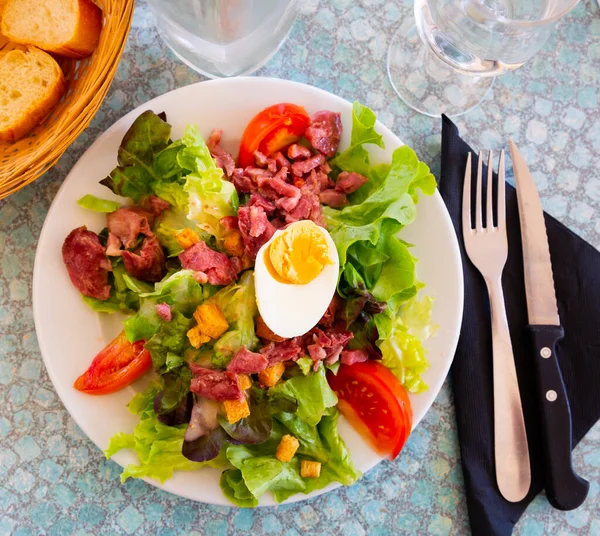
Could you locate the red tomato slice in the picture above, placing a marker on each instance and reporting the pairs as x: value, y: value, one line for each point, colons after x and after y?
x: 115, y: 367
x: 375, y: 403
x: 272, y: 130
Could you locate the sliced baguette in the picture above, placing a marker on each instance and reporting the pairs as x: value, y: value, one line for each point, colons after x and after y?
x: 66, y: 27
x: 31, y: 84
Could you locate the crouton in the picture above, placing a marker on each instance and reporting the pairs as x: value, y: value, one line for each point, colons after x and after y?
x: 236, y: 410
x: 211, y: 320
x: 244, y: 381
x: 264, y: 332
x: 271, y: 375
x: 187, y: 238
x: 196, y: 337
x: 233, y: 243
x: 309, y: 469
x: 287, y: 448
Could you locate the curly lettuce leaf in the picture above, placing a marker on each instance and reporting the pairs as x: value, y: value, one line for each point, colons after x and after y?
x: 401, y: 341
x: 157, y: 446
x: 170, y: 223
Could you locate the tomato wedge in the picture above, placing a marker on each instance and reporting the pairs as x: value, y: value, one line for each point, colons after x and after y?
x: 375, y: 403
x: 272, y: 130
x: 115, y: 367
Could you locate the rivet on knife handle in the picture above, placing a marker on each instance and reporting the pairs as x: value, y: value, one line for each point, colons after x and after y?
x: 565, y: 490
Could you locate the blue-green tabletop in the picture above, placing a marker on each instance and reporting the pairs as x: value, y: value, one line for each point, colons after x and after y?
x: 53, y: 480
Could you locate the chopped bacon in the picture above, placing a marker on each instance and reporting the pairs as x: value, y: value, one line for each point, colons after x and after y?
x: 272, y: 165
x: 242, y: 183
x: 255, y: 228
x: 302, y: 167
x: 164, y: 311
x: 155, y: 205
x: 333, y: 356
x: 333, y: 199
x: 325, y: 168
x: 349, y: 182
x: 298, y: 151
x: 283, y: 188
x: 149, y: 263
x: 300, y: 212
x: 312, y: 183
x: 349, y: 357
x: 222, y: 158
x: 215, y: 384
x: 258, y: 200
x: 290, y: 349
x: 260, y: 159
x: 316, y: 213
x: 246, y: 362
x: 281, y: 160
x: 255, y: 172
x: 229, y: 223
x: 127, y: 223
x: 84, y: 257
x: 316, y: 352
x: 215, y: 265
x: 324, y: 132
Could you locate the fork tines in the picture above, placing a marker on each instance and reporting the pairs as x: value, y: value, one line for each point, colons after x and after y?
x: 467, y: 193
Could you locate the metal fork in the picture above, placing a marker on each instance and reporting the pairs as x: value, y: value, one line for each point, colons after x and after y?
x: 487, y: 247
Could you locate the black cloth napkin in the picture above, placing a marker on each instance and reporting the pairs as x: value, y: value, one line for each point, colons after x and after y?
x: 576, y: 267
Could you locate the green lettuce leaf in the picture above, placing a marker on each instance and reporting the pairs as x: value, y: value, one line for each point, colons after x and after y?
x: 146, y: 138
x: 401, y: 341
x: 157, y: 446
x: 91, y: 202
x: 169, y: 339
x: 312, y: 392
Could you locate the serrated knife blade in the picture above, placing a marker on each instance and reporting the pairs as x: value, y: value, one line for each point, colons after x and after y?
x: 565, y: 489
x: 539, y: 281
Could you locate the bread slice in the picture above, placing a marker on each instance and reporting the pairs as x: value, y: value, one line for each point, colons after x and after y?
x: 66, y: 27
x: 31, y: 84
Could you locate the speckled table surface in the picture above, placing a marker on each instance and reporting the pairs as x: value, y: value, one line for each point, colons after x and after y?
x: 53, y: 480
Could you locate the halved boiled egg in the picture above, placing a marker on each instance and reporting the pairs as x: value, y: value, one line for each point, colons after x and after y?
x: 296, y: 273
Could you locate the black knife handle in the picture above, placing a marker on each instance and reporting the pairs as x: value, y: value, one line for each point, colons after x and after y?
x: 564, y: 488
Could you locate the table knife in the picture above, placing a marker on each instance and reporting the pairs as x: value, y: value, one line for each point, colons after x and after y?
x: 565, y: 490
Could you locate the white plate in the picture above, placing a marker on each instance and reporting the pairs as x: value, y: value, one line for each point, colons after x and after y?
x: 70, y: 334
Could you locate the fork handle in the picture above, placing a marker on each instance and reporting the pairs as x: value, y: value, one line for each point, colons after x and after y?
x: 513, y: 472
x: 565, y: 490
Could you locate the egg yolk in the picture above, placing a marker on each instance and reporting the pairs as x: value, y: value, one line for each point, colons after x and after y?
x: 299, y: 254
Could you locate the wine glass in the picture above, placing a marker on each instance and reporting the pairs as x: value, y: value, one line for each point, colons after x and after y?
x: 447, y: 61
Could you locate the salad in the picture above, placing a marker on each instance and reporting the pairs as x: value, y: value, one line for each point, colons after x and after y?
x: 264, y: 296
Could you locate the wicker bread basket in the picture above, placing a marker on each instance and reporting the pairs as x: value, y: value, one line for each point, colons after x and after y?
x: 88, y: 81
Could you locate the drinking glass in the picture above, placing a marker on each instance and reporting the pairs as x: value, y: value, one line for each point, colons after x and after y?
x: 447, y: 61
x: 221, y: 38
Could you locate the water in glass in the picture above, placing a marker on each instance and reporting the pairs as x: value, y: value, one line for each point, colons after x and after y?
x: 222, y: 38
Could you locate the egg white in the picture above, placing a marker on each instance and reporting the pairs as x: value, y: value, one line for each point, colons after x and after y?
x: 288, y: 309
